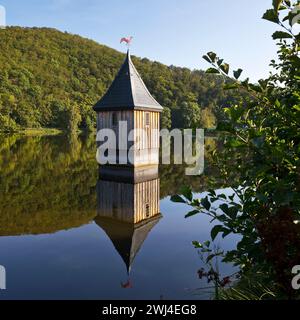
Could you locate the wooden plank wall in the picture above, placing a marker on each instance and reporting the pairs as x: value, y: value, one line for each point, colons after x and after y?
x: 105, y: 119
x: 128, y: 202
x: 149, y: 139
x: 146, y: 195
x: 116, y: 200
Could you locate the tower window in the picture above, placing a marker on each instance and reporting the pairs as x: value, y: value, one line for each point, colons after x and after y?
x: 114, y: 119
x: 147, y: 210
x: 147, y: 119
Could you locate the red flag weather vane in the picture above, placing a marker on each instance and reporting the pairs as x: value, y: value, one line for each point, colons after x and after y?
x: 127, y: 40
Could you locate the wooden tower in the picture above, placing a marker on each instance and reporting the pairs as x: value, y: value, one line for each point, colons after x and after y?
x: 129, y: 100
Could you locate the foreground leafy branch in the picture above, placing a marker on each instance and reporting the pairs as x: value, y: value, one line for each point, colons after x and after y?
x: 261, y: 163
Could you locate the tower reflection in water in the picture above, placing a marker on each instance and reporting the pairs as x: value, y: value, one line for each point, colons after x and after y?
x: 128, y: 208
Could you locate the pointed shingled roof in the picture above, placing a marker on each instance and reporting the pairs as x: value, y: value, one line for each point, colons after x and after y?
x: 127, y: 237
x: 128, y: 92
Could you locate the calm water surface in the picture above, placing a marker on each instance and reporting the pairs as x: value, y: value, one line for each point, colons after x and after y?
x: 56, y: 241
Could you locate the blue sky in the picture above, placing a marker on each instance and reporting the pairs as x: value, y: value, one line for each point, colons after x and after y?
x: 174, y: 32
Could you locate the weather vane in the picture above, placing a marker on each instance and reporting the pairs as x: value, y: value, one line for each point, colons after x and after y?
x: 127, y: 40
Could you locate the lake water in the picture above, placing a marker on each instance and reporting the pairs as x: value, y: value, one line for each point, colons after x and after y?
x: 57, y: 241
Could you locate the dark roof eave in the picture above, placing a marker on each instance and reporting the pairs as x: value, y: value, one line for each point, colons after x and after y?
x: 121, y: 108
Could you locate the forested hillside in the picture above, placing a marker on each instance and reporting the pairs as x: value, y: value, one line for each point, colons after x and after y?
x: 52, y: 79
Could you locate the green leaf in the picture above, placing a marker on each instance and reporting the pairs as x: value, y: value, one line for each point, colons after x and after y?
x: 281, y: 35
x: 212, y: 56
x: 220, y: 61
x: 277, y: 4
x: 237, y: 73
x: 206, y: 243
x: 177, y: 198
x: 226, y: 232
x: 197, y: 244
x: 271, y: 15
x: 286, y: 18
x: 187, y: 193
x: 205, y: 57
x: 205, y: 203
x: 231, y: 212
x: 191, y: 213
x: 225, y: 68
x: 234, y: 143
x: 292, y: 17
x: 231, y: 197
x: 224, y: 207
x: 297, y: 107
x: 215, y: 231
x: 212, y: 192
x: 263, y: 83
x: 212, y: 70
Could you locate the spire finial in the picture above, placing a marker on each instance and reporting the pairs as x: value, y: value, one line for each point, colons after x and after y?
x: 127, y: 40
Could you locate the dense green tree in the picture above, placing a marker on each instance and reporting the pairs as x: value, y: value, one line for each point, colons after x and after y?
x: 208, y: 118
x: 73, y: 118
x: 166, y: 121
x: 7, y: 124
x: 191, y: 115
